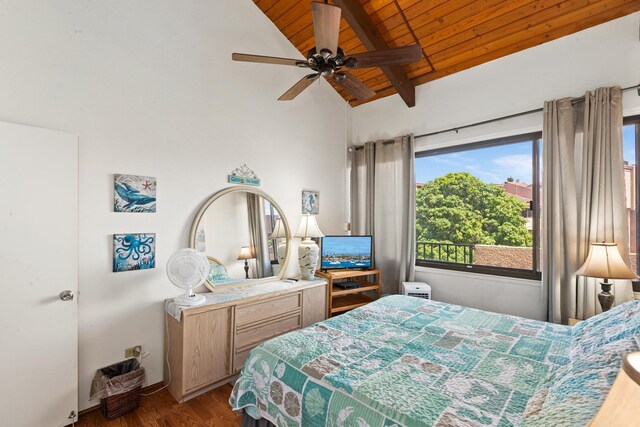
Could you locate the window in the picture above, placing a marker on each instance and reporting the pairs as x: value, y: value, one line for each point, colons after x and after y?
x: 631, y: 143
x: 478, y: 207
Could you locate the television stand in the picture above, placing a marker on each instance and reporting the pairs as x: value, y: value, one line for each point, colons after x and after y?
x: 342, y: 300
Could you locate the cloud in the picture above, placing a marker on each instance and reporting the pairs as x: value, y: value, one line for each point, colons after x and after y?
x: 446, y: 161
x: 481, y: 172
x: 516, y: 165
x: 486, y: 164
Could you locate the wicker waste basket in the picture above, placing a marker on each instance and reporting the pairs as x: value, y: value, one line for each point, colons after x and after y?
x: 118, y: 387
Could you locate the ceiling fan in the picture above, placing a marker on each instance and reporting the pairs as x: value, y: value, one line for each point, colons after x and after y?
x: 327, y: 59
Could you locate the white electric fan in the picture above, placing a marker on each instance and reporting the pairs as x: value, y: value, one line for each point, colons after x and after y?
x: 188, y: 269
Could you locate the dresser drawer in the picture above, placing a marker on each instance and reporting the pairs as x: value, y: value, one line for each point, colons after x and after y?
x: 259, y: 312
x: 239, y: 359
x: 250, y: 337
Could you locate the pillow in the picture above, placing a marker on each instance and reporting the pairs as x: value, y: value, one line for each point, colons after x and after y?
x: 606, y: 333
x: 572, y: 394
x: 217, y: 273
x: 574, y: 399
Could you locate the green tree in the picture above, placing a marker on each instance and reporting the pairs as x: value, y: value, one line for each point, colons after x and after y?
x: 460, y: 208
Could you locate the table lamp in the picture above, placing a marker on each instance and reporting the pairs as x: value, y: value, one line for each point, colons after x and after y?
x: 308, y: 249
x: 622, y: 406
x: 604, y: 261
x: 246, y: 254
x: 279, y: 232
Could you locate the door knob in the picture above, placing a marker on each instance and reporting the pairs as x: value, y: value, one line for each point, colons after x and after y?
x: 66, y: 295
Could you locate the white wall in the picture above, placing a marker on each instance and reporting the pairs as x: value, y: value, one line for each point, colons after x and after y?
x: 150, y: 88
x: 605, y: 55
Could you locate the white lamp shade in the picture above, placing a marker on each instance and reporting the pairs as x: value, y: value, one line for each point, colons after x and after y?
x: 309, y: 227
x: 279, y: 231
x: 604, y: 261
x: 631, y: 366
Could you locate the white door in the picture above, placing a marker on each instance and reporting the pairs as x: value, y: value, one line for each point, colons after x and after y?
x: 38, y: 261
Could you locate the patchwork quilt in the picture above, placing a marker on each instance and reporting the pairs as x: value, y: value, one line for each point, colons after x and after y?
x: 403, y: 361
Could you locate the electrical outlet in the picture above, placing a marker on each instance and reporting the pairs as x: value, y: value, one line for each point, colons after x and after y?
x: 134, y: 351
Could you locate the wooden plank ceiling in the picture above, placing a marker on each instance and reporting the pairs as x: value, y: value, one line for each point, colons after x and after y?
x: 454, y: 34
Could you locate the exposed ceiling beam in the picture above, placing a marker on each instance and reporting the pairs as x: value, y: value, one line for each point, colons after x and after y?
x: 368, y: 34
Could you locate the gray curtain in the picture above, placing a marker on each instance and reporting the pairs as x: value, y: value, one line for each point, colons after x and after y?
x: 258, y: 235
x: 583, y: 198
x: 383, y: 188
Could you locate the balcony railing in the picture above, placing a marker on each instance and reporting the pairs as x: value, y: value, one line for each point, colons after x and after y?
x: 446, y: 252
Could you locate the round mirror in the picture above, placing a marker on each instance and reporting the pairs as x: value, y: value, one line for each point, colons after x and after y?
x: 245, y: 236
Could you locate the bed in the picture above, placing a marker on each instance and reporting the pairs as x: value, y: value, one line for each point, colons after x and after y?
x: 403, y: 361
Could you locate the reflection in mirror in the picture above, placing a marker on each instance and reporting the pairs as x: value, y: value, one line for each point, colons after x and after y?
x: 217, y: 272
x: 244, y: 236
x: 280, y: 235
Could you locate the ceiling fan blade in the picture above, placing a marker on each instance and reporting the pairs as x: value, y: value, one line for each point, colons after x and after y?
x: 326, y: 26
x: 394, y: 56
x: 245, y: 57
x: 354, y: 86
x: 297, y: 88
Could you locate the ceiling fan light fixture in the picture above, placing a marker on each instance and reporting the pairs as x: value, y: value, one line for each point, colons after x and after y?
x: 312, y: 52
x: 351, y: 62
x: 326, y: 53
x: 339, y: 77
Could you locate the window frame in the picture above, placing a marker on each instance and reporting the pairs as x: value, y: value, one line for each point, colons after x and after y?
x: 635, y: 120
x: 272, y: 220
x: 535, y: 273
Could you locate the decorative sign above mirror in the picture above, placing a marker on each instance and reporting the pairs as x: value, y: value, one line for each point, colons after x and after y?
x: 245, y: 236
x: 244, y: 175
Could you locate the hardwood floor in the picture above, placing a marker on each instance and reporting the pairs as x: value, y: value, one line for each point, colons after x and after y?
x: 161, y: 410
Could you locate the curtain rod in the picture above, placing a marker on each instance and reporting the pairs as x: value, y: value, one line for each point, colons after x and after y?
x: 510, y: 116
x: 361, y: 147
x: 484, y: 122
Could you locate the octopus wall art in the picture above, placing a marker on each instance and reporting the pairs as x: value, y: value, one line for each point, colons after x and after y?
x: 134, y: 251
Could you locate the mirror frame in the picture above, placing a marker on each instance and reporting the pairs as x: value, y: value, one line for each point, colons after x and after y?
x: 238, y: 189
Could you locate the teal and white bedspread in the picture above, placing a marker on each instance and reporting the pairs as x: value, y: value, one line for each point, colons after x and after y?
x: 403, y: 361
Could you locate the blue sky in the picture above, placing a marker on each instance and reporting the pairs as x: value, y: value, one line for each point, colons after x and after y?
x: 491, y: 165
x: 628, y: 137
x: 495, y: 164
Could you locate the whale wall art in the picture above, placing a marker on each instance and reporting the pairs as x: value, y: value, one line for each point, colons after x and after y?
x: 134, y: 193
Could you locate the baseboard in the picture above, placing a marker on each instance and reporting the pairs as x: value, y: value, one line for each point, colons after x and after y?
x: 148, y: 389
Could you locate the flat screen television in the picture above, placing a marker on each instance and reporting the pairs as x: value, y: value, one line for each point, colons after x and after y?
x: 346, y: 252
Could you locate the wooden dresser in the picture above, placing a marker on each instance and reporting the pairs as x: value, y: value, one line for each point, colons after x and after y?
x: 209, y: 344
